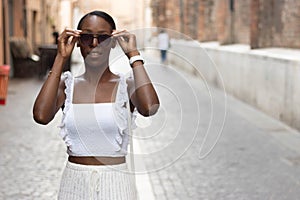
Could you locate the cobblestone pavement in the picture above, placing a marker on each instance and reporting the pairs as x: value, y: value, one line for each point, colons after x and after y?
x: 255, y: 158
x: 32, y: 156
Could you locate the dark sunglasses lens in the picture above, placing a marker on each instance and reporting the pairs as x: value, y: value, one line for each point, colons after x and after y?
x: 102, y: 38
x: 86, y: 39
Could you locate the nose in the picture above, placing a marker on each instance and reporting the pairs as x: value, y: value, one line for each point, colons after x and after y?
x: 95, y: 42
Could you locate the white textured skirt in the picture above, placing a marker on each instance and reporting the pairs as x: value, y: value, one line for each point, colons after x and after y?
x: 91, y: 182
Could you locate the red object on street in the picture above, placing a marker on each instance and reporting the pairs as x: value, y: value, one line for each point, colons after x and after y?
x: 4, y: 74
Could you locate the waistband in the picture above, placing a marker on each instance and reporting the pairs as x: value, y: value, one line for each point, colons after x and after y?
x: 100, y: 168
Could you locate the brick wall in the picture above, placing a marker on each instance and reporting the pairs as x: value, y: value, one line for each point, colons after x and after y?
x: 2, y: 49
x: 278, y: 24
x: 207, y: 20
x: 242, y: 21
x: 18, y: 19
x: 286, y: 23
x: 159, y: 13
x: 223, y: 22
x: 173, y: 15
x: 259, y: 23
x: 266, y: 22
x: 187, y: 13
x: 191, y: 19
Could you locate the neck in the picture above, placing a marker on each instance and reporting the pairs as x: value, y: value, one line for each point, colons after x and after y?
x: 96, y: 75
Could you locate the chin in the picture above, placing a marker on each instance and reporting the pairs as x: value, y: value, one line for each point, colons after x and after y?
x: 95, y: 62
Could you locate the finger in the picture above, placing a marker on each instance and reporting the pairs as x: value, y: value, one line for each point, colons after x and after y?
x: 72, y: 34
x: 123, y: 34
x: 121, y: 40
x: 72, y: 30
x: 72, y: 41
x: 117, y: 31
x: 126, y: 37
x: 69, y: 32
x: 66, y: 34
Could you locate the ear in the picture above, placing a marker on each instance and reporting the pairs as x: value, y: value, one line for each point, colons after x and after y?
x: 114, y: 43
x: 114, y: 40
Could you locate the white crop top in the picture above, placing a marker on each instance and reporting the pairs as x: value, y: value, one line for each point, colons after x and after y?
x: 99, y: 129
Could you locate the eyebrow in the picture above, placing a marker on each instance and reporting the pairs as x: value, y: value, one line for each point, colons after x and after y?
x: 90, y: 31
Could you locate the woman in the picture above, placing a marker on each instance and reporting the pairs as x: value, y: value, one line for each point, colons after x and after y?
x: 95, y: 115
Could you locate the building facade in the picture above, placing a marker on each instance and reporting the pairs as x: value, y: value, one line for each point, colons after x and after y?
x: 34, y: 19
x: 259, y: 23
x: 127, y: 14
x: 29, y: 19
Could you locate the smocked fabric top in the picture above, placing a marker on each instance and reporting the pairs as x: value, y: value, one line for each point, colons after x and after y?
x: 96, y: 129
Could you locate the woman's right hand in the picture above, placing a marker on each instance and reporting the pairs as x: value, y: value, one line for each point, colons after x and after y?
x: 66, y: 42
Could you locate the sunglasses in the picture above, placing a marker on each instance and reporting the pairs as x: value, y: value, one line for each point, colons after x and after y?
x: 87, y: 39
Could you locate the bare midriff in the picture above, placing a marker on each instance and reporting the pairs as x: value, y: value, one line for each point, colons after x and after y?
x: 90, y: 160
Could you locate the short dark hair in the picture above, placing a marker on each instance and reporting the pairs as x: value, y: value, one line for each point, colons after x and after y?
x: 101, y: 14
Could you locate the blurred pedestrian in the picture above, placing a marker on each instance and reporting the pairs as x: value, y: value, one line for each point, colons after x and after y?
x: 163, y: 45
x: 55, y: 34
x: 97, y: 107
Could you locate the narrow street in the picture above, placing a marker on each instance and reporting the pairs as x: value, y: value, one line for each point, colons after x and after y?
x: 32, y: 155
x: 255, y: 157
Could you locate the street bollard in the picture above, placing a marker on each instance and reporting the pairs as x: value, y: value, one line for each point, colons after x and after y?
x: 4, y: 73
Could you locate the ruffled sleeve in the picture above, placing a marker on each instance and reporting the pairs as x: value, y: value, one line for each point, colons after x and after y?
x: 68, y: 79
x: 121, y: 112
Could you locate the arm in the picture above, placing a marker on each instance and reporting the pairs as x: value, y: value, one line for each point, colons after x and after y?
x: 142, y: 93
x: 51, y: 96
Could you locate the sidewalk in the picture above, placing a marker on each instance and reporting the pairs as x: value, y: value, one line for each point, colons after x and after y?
x: 256, y: 157
x: 32, y: 156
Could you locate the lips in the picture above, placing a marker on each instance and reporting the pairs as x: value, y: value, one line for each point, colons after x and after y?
x: 95, y: 53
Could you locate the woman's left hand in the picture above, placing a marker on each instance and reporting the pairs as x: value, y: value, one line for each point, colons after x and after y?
x: 127, y: 42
